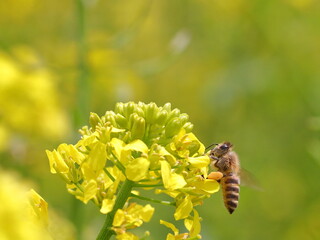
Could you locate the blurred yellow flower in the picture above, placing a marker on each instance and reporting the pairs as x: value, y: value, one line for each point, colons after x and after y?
x: 39, y: 206
x: 19, y: 219
x: 29, y: 103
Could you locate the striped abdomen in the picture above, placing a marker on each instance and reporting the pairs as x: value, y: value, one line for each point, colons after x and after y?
x: 230, y: 191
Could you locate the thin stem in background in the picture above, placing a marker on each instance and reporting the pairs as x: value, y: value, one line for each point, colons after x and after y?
x: 82, y: 100
x: 83, y: 84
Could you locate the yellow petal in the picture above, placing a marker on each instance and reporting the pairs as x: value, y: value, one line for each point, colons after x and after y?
x: 71, y: 152
x: 107, y: 205
x: 171, y: 226
x: 117, y: 145
x: 137, y: 169
x: 170, y: 180
x: 39, y: 205
x: 146, y: 213
x: 127, y: 236
x: 165, y: 173
x: 89, y: 191
x: 170, y: 237
x: 196, y: 226
x: 199, y: 162
x: 184, y: 208
x: 169, y: 157
x: 119, y: 218
x: 207, y: 185
x: 176, y: 181
x: 87, y: 140
x: 137, y: 145
x: 56, y: 162
x: 98, y: 156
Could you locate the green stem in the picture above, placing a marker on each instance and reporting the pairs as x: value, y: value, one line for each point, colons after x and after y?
x: 109, y: 175
x: 152, y: 200
x: 124, y: 193
x: 83, y: 84
x: 148, y: 185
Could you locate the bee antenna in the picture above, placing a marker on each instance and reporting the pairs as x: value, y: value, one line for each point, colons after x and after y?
x: 211, y: 145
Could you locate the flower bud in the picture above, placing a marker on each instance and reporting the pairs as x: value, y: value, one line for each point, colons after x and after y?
x: 129, y: 108
x: 173, y: 127
x: 184, y: 118
x: 121, y: 120
x: 151, y: 113
x: 167, y: 107
x: 138, y: 128
x: 119, y: 108
x: 109, y: 117
x: 162, y: 117
x: 133, y: 117
x: 140, y: 111
x: 94, y: 119
x: 188, y: 127
x: 174, y: 113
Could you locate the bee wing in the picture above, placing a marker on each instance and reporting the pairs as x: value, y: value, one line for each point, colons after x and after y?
x: 248, y: 179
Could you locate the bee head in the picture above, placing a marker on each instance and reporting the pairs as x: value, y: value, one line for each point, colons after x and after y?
x: 221, y: 149
x: 225, y: 146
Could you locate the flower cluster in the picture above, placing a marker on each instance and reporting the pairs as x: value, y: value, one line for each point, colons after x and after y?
x: 136, y: 146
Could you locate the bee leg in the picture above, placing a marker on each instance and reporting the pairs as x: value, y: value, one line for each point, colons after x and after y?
x: 214, y: 157
x: 215, y: 176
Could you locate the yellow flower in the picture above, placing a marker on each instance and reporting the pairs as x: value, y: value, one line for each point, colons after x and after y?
x: 137, y: 145
x: 193, y: 225
x: 176, y: 235
x: 171, y: 180
x: 29, y: 99
x: 56, y: 162
x: 131, y: 217
x: 183, y: 208
x: 39, y: 206
x: 97, y: 157
x: 107, y: 205
x: 137, y: 169
x: 127, y: 236
x: 19, y: 219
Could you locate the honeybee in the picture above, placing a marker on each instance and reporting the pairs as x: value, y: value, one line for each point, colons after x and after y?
x: 228, y: 165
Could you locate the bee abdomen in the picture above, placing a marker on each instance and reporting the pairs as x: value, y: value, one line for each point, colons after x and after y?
x: 231, y: 189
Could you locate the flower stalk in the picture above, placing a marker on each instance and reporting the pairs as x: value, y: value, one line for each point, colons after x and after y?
x: 152, y: 200
x: 106, y: 231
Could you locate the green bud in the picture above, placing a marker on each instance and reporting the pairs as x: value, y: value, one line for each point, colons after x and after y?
x: 138, y: 128
x: 167, y: 107
x: 174, y: 113
x: 84, y: 131
x: 162, y: 117
x: 105, y: 133
x: 109, y: 116
x: 133, y: 117
x: 94, y: 119
x: 173, y: 127
x: 188, y: 127
x: 129, y: 108
x: 121, y: 120
x: 119, y: 108
x: 140, y: 111
x: 184, y: 118
x: 151, y: 112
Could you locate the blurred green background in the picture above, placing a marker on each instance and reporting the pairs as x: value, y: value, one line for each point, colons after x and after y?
x: 245, y: 71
